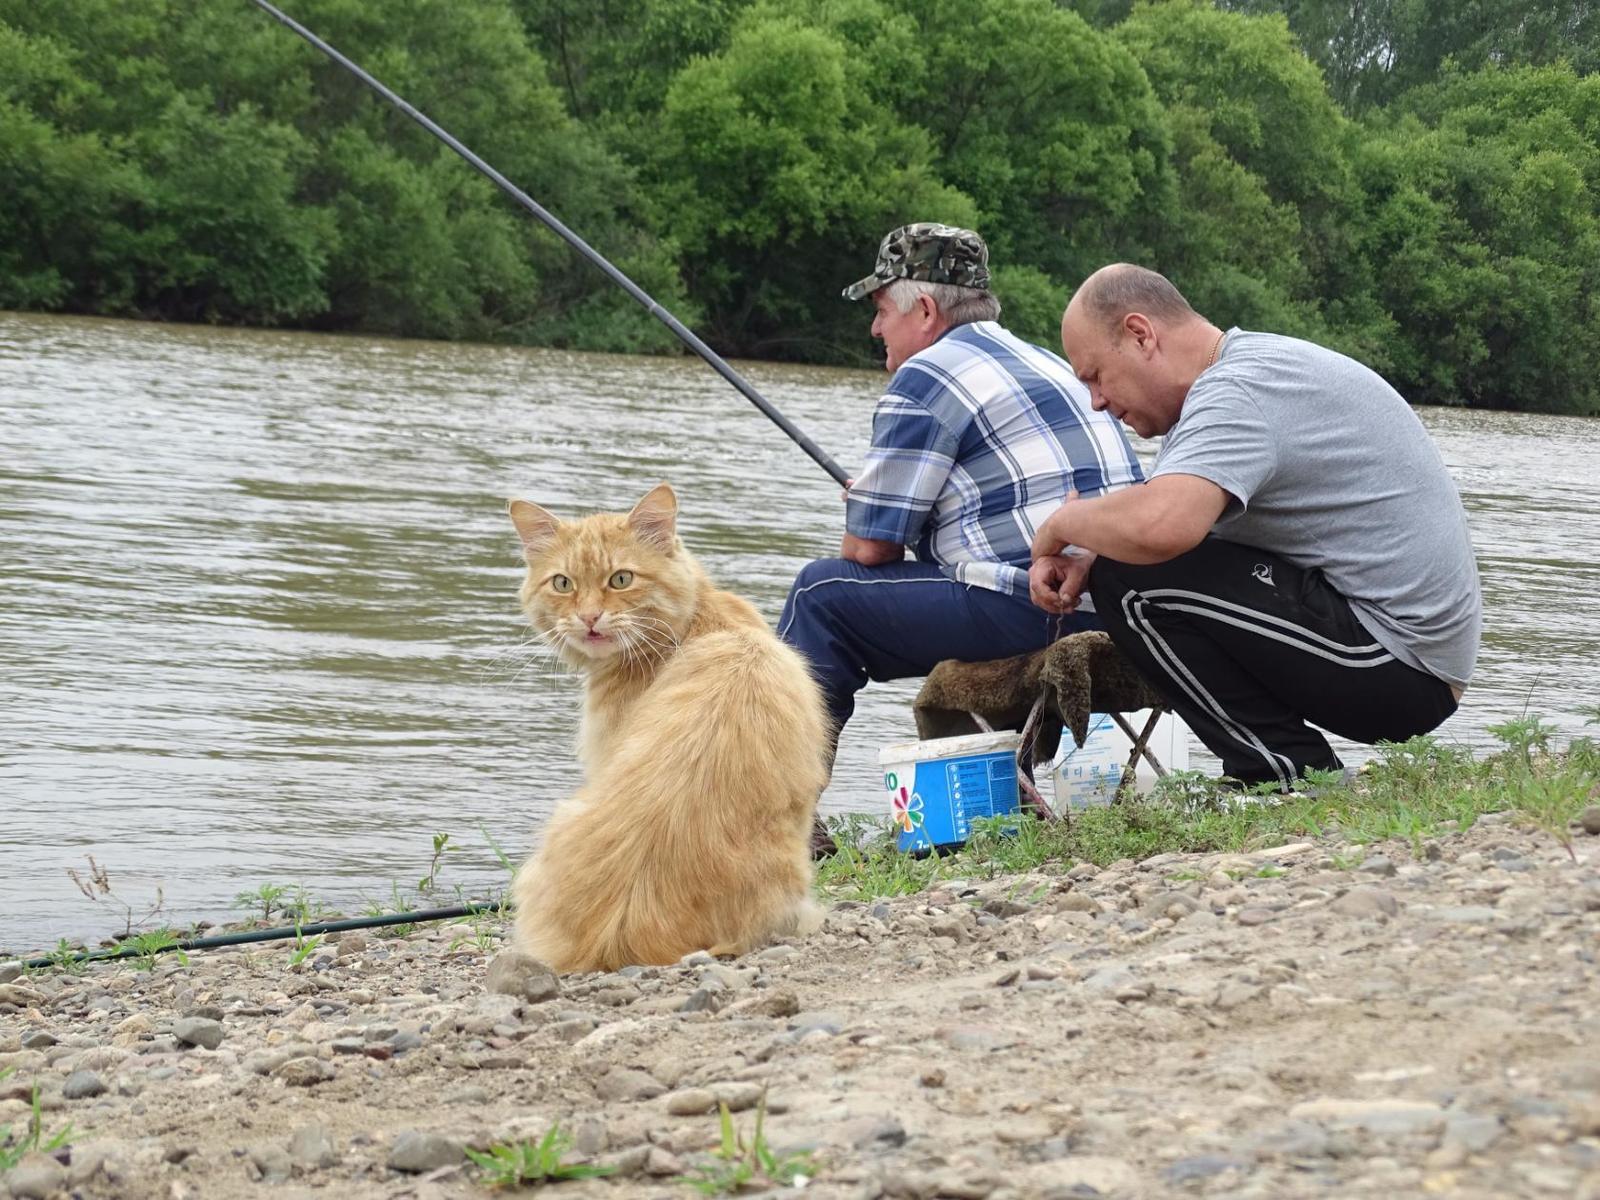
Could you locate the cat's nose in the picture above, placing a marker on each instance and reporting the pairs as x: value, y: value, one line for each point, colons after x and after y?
x: 590, y: 619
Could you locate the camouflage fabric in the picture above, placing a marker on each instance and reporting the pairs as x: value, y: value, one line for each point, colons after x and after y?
x: 929, y: 252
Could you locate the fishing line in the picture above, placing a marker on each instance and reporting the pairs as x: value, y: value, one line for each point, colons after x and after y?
x: 682, y: 331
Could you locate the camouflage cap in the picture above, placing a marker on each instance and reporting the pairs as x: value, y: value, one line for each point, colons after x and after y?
x: 929, y: 252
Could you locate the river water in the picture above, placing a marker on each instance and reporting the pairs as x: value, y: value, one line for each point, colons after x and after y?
x: 258, y: 617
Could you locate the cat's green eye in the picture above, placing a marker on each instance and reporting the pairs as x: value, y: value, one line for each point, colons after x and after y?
x: 561, y: 583
x: 622, y: 579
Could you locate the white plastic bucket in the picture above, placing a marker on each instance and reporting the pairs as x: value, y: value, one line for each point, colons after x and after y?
x: 1088, y: 775
x: 936, y: 788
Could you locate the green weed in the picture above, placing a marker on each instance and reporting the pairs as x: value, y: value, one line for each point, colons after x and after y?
x: 65, y: 958
x: 147, y: 946
x: 513, y: 1164
x: 739, y: 1165
x: 14, y: 1145
x: 267, y: 898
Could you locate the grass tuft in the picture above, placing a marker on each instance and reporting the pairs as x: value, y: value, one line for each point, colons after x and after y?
x: 1410, y: 791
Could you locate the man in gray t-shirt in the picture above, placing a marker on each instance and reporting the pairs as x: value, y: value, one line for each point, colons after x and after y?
x: 1299, y: 555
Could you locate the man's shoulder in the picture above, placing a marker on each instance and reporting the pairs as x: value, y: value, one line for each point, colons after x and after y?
x: 980, y: 346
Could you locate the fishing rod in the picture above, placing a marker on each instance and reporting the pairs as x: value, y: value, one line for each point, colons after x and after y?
x: 280, y: 933
x: 683, y: 332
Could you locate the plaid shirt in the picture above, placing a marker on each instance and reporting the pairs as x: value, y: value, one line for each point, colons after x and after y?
x: 975, y: 443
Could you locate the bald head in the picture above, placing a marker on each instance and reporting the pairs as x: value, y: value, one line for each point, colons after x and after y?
x: 1136, y: 344
x: 1113, y: 292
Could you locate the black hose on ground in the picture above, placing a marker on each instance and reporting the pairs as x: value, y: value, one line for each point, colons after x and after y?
x: 280, y: 933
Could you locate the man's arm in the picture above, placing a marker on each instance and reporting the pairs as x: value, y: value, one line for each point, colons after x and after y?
x: 870, y: 552
x: 1147, y: 523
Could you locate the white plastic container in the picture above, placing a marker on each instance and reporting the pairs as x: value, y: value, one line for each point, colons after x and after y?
x: 936, y: 788
x: 1088, y: 775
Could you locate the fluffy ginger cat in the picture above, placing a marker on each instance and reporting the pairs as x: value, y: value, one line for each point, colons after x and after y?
x: 702, y: 744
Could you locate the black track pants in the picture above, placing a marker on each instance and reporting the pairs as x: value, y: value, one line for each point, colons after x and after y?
x: 1249, y: 648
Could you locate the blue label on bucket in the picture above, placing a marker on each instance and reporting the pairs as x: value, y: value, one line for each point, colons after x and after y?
x: 935, y: 801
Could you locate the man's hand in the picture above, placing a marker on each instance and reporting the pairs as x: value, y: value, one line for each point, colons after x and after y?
x: 1056, y: 581
x: 845, y: 494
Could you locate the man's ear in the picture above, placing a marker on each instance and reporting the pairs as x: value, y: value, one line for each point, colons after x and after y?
x: 1139, y: 327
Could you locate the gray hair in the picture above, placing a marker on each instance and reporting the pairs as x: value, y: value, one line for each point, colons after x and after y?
x: 1113, y: 292
x: 958, y: 305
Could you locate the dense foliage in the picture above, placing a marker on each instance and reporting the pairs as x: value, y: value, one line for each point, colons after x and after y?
x: 1416, y: 184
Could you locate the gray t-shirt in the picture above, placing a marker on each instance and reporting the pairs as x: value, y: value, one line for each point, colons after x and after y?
x: 1328, y: 467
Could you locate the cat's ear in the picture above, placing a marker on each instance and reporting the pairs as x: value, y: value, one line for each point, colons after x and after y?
x: 535, y: 527
x: 655, y: 518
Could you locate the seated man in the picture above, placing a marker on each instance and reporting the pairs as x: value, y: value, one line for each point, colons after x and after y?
x: 976, y: 440
x: 1299, y: 554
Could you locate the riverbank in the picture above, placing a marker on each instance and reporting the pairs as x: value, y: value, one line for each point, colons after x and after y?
x: 1307, y: 1019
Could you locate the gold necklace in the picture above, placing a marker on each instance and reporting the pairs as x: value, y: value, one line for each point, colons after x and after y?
x: 1212, y: 357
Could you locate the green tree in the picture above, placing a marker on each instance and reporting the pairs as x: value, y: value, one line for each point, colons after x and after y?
x: 1376, y: 50
x: 778, y: 176
x: 1049, y: 125
x: 1260, y: 228
x: 1483, y: 209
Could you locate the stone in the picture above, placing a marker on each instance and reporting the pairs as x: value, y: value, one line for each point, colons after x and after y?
x: 351, y: 943
x: 1291, y: 1140
x: 866, y: 1132
x: 803, y: 1023
x: 1234, y: 993
x: 36, y: 1177
x: 708, y: 997
x: 198, y: 1031
x: 1201, y: 1166
x: 662, y: 1162
x: 513, y: 973
x: 627, y: 1083
x: 1471, y: 1133
x: 265, y: 1062
x: 38, y: 1039
x: 81, y: 1085
x: 1255, y: 915
x: 414, y: 1152
x: 10, y: 971
x: 690, y: 1102
x: 312, y: 1146
x: 738, y: 1096
x: 304, y: 1071
x: 20, y: 996
x: 1589, y: 820
x: 1385, y: 1117
x: 779, y: 1002
x: 1081, y: 1175
x: 272, y: 1161
x: 1463, y: 914
x: 107, y: 1156
x: 1109, y: 979
x: 1378, y: 864
x: 1366, y: 902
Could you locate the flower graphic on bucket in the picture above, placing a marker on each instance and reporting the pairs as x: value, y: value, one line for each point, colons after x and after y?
x: 907, y: 810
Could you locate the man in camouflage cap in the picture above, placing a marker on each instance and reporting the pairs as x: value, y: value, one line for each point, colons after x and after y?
x: 929, y: 252
x: 976, y: 440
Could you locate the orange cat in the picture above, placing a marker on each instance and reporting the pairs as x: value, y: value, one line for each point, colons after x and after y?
x: 702, y: 746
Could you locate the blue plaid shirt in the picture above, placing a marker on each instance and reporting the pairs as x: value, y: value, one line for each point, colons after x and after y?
x: 975, y: 443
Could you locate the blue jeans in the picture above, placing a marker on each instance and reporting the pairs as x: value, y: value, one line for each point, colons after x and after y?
x: 855, y: 624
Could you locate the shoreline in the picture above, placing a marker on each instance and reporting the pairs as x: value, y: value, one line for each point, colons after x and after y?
x: 1307, y: 1019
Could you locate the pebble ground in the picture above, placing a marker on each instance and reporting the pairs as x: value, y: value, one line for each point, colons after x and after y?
x: 1311, y: 1020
